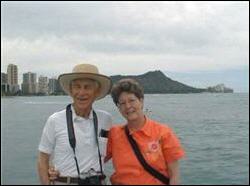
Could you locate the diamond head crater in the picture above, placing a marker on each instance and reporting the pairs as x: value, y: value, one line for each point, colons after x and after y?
x: 156, y: 82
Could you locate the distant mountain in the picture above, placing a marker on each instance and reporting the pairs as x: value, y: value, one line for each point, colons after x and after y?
x: 155, y: 82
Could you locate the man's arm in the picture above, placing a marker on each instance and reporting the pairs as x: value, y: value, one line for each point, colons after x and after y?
x: 43, y: 166
x: 174, y: 173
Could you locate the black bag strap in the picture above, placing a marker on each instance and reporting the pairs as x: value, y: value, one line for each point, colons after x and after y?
x: 72, y: 139
x: 143, y: 162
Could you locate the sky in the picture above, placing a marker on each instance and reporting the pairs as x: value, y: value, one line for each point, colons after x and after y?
x: 198, y: 43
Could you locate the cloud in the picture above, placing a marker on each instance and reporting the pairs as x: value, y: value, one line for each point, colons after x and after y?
x: 167, y: 25
x: 125, y: 37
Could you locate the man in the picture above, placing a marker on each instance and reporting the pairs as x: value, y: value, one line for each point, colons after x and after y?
x: 77, y: 155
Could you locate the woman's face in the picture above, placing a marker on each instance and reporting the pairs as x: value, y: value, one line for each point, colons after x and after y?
x: 130, y: 106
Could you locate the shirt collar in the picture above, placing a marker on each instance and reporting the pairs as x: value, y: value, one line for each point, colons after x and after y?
x: 146, y: 129
x: 76, y: 117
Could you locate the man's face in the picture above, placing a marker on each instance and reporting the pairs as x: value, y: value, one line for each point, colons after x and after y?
x: 84, y: 93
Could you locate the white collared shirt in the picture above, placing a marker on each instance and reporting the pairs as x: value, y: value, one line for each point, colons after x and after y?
x: 55, y: 141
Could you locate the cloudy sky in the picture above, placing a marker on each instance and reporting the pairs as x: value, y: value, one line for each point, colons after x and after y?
x: 198, y: 43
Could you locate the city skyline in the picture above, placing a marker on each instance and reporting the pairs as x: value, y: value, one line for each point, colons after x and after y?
x: 31, y: 84
x: 198, y: 43
x: 20, y: 75
x: 44, y: 82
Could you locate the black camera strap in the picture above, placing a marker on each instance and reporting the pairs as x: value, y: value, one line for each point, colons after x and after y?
x: 71, y: 134
x: 142, y: 160
x: 72, y: 139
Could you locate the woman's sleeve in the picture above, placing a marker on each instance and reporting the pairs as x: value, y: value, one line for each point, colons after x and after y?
x: 109, y: 147
x: 171, y: 146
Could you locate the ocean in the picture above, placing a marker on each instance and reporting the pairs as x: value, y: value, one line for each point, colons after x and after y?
x: 213, y: 129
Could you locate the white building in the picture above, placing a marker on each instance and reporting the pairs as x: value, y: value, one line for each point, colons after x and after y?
x: 12, y: 78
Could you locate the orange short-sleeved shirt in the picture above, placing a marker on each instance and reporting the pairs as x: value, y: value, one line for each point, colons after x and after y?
x: 158, y: 144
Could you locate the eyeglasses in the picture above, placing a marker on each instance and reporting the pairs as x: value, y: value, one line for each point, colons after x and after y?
x: 131, y: 101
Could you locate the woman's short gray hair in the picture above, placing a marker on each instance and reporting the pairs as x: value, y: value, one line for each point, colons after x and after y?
x: 127, y: 85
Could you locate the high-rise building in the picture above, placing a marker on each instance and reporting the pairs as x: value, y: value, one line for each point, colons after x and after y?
x: 53, y: 85
x: 29, y: 85
x: 5, y: 88
x: 43, y: 85
x: 12, y: 76
x: 4, y: 78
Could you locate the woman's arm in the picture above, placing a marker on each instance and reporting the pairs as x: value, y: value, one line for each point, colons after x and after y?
x: 174, y: 174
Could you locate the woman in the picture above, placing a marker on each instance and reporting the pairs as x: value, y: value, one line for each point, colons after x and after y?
x: 157, y: 143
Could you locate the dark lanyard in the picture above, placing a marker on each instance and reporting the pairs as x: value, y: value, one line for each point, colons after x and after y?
x: 72, y: 139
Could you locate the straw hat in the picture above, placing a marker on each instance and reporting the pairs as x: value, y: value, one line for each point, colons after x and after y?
x: 86, y: 71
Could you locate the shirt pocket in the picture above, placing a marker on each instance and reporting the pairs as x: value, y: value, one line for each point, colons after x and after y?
x: 153, y: 152
x: 103, y: 145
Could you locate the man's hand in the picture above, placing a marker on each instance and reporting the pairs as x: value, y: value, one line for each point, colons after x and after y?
x: 53, y: 173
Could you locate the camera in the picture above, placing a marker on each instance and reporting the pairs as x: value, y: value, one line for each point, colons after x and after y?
x: 92, y: 180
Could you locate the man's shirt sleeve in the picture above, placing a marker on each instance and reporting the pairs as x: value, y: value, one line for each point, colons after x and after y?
x: 47, y: 142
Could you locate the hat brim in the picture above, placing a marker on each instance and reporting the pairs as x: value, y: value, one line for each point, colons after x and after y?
x: 104, y: 81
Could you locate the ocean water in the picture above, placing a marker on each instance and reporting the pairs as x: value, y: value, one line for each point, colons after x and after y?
x: 213, y: 129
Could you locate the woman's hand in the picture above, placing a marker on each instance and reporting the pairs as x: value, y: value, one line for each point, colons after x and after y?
x: 174, y: 173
